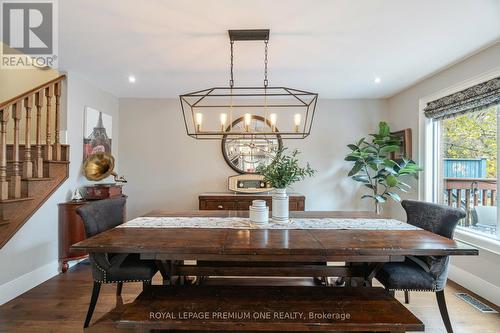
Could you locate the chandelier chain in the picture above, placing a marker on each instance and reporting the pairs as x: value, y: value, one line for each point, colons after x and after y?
x: 265, y: 63
x: 231, y: 80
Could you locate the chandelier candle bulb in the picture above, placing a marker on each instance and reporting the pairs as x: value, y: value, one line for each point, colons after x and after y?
x: 248, y: 120
x: 297, y: 122
x: 223, y: 120
x: 272, y: 120
x: 199, y: 121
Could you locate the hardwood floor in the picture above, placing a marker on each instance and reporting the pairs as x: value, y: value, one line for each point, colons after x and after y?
x: 60, y: 304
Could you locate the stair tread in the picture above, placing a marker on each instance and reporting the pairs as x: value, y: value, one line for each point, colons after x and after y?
x: 10, y: 200
x: 45, y: 161
x: 36, y: 179
x: 56, y: 162
x: 33, y: 145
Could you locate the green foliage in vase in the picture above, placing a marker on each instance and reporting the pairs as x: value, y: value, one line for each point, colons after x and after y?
x: 376, y: 171
x: 285, y: 170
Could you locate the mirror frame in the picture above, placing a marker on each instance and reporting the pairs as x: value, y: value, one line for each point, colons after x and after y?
x: 223, y: 142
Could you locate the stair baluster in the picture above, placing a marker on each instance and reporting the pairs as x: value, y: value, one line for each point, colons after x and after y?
x: 4, y: 185
x: 39, y: 156
x: 29, y: 175
x: 27, y: 163
x: 15, y: 179
x: 57, y: 141
x: 49, y: 92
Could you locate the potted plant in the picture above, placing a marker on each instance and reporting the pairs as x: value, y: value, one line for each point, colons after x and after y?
x: 282, y: 172
x: 376, y: 171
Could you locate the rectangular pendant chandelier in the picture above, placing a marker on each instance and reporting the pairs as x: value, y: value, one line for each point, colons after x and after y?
x: 220, y: 112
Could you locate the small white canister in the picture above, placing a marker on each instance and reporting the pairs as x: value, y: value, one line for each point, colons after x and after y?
x: 259, y: 212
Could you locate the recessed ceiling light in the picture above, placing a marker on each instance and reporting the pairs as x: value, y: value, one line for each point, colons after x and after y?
x: 131, y: 79
x: 377, y: 80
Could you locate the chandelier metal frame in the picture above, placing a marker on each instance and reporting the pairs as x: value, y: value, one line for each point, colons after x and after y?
x: 196, y: 102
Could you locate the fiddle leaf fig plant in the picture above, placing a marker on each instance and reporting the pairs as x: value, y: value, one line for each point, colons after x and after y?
x: 285, y: 170
x: 376, y: 171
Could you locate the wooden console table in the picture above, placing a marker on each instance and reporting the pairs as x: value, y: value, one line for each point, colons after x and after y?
x: 71, y: 231
x: 237, y: 201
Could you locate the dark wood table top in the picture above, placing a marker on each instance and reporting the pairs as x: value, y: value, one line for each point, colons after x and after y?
x: 272, y: 245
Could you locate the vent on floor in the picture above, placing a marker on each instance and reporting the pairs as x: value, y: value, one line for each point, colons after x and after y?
x: 475, y: 303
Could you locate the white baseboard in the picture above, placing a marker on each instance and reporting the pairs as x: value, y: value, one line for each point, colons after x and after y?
x: 481, y: 287
x: 22, y: 284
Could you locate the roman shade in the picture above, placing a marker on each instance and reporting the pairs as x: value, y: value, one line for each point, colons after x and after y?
x: 475, y: 98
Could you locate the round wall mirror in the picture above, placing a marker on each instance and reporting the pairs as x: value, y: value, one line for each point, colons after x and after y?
x: 246, y: 152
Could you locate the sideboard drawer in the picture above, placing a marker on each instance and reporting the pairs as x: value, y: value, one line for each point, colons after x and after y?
x: 219, y: 205
x: 244, y: 205
x: 242, y: 202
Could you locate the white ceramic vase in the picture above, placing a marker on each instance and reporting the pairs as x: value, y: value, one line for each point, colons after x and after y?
x: 280, y: 205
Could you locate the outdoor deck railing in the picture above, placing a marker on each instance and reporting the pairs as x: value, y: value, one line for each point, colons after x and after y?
x: 468, y: 193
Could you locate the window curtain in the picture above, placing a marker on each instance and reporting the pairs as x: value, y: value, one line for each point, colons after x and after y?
x: 471, y: 99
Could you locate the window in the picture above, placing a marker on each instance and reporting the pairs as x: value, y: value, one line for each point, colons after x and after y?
x: 468, y: 159
x: 461, y: 154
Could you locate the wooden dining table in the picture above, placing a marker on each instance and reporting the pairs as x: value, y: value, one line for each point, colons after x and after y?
x: 226, y: 251
x: 271, y: 252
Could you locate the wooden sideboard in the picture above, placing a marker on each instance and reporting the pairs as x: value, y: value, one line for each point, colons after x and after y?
x: 71, y: 231
x: 235, y: 201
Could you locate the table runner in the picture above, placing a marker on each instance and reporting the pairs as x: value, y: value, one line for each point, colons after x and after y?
x: 245, y: 223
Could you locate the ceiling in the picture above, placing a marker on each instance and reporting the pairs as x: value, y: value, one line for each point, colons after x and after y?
x: 334, y: 47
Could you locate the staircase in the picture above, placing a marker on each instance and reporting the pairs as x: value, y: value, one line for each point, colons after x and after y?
x: 32, y: 170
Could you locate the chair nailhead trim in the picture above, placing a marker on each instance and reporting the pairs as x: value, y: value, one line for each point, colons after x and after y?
x: 106, y: 282
x: 433, y: 290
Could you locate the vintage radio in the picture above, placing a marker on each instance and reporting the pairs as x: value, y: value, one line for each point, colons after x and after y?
x: 102, y: 191
x: 248, y: 183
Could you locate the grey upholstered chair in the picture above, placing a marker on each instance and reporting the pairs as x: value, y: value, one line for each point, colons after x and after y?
x: 98, y: 217
x: 424, y: 273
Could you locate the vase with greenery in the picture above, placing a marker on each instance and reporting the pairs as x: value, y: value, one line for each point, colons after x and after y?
x: 373, y: 168
x: 282, y: 172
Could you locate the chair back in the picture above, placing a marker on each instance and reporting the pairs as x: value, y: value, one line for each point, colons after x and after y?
x: 102, y: 215
x: 438, y: 219
x: 485, y: 216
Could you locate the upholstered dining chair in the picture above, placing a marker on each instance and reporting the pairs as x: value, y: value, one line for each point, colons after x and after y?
x: 98, y: 217
x: 424, y: 273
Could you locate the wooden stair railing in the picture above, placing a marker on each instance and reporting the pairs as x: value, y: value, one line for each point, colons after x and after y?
x: 29, y: 173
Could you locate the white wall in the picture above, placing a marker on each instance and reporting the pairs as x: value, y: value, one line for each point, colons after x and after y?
x: 404, y: 113
x: 31, y: 254
x: 167, y: 169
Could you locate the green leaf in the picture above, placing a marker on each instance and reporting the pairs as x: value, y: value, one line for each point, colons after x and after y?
x: 361, y: 178
x: 404, y: 184
x: 389, y: 149
x: 370, y: 186
x: 366, y: 196
x: 390, y: 170
x: 351, y: 158
x: 401, y: 189
x: 391, y: 180
x: 352, y: 147
x: 383, y: 129
x: 389, y: 163
x: 373, y: 166
x: 394, y: 196
x: 355, y: 169
x: 371, y: 150
x: 380, y: 198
